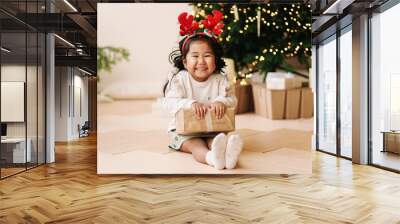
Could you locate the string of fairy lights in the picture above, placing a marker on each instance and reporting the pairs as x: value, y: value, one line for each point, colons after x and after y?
x: 263, y: 19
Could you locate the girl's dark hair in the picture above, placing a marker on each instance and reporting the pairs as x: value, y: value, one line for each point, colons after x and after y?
x: 176, y: 57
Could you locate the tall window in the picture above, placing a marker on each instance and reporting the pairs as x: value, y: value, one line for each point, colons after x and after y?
x: 346, y: 92
x: 22, y: 67
x: 385, y: 89
x: 327, y: 95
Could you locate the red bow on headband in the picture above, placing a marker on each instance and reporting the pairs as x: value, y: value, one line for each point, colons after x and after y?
x: 188, y: 26
x: 211, y: 23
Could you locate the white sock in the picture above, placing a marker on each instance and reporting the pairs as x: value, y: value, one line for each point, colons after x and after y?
x: 216, y: 156
x: 233, y: 149
x: 209, y: 158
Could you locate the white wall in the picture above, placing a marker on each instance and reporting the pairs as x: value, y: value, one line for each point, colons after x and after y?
x: 80, y: 103
x: 14, y: 72
x: 67, y: 116
x: 150, y: 32
x: 82, y: 82
x: 62, y: 82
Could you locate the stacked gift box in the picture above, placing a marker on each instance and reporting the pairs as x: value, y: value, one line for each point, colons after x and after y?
x: 241, y: 88
x: 282, y: 96
x: 244, y: 97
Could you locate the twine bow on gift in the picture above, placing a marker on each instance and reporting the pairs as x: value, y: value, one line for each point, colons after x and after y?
x: 208, y: 120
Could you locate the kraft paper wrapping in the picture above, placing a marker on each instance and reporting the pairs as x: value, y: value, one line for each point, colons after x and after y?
x: 292, y: 110
x: 260, y: 99
x: 187, y: 123
x: 245, y: 98
x: 306, y: 104
x: 275, y: 102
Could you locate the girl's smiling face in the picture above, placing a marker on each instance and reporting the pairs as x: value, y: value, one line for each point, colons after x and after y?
x: 200, y: 60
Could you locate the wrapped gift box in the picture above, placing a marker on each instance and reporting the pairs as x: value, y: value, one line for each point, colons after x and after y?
x: 275, y: 104
x: 306, y: 103
x: 260, y: 98
x: 292, y: 103
x: 244, y: 97
x: 282, y: 97
x: 268, y: 103
x: 187, y: 123
x: 282, y: 81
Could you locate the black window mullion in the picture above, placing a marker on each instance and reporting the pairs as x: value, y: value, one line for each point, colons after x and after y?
x: 0, y: 96
x: 37, y: 90
x: 316, y: 116
x: 26, y: 87
x: 44, y: 79
x: 369, y: 92
x: 338, y: 97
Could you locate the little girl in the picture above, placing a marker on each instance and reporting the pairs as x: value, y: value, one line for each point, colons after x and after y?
x: 199, y: 85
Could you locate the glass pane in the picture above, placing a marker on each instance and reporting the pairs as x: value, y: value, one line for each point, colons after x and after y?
x: 13, y: 87
x: 346, y: 94
x: 31, y: 101
x: 327, y: 96
x: 385, y: 89
x: 41, y: 98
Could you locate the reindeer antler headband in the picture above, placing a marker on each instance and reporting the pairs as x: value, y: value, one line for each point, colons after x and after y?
x: 212, y: 26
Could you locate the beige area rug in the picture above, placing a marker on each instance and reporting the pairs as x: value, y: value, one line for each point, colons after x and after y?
x: 132, y: 140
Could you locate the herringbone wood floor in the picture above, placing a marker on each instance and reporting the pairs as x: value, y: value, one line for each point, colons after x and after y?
x: 70, y: 191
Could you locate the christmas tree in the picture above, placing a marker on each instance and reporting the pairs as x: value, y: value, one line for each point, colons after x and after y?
x: 263, y: 37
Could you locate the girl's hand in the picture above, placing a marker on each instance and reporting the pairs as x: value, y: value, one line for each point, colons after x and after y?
x: 199, y: 109
x: 218, y: 108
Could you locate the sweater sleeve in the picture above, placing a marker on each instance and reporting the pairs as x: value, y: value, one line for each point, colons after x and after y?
x: 176, y: 96
x: 226, y: 94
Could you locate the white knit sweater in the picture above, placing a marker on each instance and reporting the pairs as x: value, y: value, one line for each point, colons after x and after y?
x: 183, y: 90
